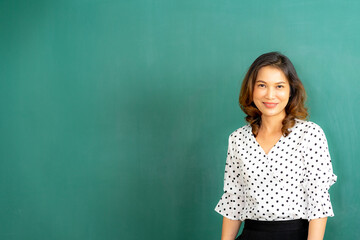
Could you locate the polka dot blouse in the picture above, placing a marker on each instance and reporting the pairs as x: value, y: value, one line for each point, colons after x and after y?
x: 290, y: 182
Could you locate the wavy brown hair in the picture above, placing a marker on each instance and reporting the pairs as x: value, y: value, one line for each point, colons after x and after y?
x: 296, y: 106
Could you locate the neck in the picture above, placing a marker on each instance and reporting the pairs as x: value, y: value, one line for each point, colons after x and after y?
x: 272, y: 124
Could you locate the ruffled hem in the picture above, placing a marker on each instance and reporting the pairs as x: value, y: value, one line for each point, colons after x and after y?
x: 231, y: 206
x: 319, y: 205
x: 333, y: 179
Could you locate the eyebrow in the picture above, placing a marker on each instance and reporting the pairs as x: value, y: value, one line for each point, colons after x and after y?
x: 265, y: 82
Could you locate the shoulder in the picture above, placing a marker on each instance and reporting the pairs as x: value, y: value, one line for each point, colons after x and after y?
x: 309, y: 126
x: 312, y: 131
x: 240, y: 131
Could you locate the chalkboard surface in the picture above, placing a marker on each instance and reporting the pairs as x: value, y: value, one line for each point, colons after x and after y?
x: 115, y: 114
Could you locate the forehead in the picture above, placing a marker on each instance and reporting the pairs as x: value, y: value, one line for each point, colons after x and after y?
x: 271, y: 74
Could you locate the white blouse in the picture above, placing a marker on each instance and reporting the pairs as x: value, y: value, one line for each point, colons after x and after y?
x: 290, y: 182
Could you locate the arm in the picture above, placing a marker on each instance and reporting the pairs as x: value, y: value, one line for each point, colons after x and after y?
x: 230, y: 229
x: 232, y: 202
x: 318, y: 178
x: 317, y: 229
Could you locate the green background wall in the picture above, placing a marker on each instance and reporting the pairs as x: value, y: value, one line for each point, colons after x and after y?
x: 115, y: 114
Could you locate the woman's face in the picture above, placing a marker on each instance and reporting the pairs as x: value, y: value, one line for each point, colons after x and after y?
x: 271, y: 91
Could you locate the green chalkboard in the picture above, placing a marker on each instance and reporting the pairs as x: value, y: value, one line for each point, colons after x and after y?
x: 115, y: 114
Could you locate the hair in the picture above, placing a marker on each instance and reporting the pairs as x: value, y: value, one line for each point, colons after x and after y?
x: 295, y: 107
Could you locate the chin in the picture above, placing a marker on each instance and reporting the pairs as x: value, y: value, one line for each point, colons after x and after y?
x: 271, y: 113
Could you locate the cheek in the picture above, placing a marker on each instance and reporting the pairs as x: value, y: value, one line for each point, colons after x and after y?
x: 257, y: 93
x: 283, y: 95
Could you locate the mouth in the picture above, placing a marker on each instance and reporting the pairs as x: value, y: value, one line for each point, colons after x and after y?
x: 269, y: 105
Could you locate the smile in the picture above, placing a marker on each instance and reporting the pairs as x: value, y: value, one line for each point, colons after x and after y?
x: 270, y: 105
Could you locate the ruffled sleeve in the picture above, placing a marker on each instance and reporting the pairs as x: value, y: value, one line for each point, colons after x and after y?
x: 319, y: 175
x: 232, y: 201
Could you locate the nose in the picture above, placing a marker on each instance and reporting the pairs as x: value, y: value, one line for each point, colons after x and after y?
x: 270, y: 93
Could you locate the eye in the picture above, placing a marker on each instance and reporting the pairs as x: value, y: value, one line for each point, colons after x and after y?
x: 261, y: 85
x: 281, y: 86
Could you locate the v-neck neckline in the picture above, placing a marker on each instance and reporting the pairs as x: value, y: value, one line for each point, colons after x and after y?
x: 259, y: 146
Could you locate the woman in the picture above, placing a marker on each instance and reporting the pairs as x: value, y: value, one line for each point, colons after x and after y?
x: 278, y: 168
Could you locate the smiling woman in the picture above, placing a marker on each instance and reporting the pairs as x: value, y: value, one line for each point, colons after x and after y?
x: 272, y: 79
x: 278, y: 168
x: 271, y: 95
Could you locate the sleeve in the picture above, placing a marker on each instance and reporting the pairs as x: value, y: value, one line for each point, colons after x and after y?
x: 232, y: 202
x: 319, y: 175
